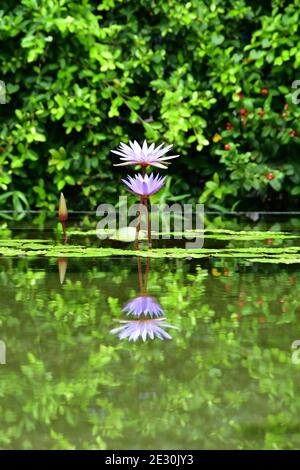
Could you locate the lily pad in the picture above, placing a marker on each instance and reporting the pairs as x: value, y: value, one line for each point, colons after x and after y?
x: 16, y: 248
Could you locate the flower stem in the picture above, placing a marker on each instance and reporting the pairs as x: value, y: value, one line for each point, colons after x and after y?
x: 63, y: 224
x: 146, y: 274
x: 147, y: 204
x: 139, y: 263
x: 138, y: 225
x: 144, y: 201
x: 143, y: 280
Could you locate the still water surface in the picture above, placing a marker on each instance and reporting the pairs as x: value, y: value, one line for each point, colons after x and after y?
x: 212, y: 368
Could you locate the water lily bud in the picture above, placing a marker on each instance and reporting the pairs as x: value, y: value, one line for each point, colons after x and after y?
x: 62, y: 210
x: 62, y: 269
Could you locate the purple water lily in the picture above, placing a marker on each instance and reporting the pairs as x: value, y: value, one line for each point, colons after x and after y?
x: 143, y: 304
x: 145, y: 185
x: 135, y: 329
x: 134, y: 154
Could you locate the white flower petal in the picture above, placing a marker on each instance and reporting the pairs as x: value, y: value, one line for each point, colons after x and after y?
x: 148, y: 155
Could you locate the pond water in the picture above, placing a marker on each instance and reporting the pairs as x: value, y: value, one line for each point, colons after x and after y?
x: 212, y: 368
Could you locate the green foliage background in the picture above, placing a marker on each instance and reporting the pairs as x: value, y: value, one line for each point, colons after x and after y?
x: 81, y: 76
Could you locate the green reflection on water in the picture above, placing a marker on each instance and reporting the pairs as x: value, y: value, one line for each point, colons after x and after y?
x: 224, y: 380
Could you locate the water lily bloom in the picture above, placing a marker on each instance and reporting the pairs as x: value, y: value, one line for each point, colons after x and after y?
x: 134, y: 154
x: 143, y: 304
x: 135, y: 329
x: 145, y: 185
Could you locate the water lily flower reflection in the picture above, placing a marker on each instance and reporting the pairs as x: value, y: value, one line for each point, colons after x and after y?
x: 144, y: 155
x: 135, y: 329
x: 145, y: 185
x: 143, y: 304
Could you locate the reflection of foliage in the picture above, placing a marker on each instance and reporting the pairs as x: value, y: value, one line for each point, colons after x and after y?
x: 225, y: 380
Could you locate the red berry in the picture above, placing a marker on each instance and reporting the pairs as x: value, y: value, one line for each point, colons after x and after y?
x: 261, y: 113
x: 270, y: 176
x: 293, y: 133
x: 243, y: 112
x: 286, y: 106
x: 240, y: 95
x: 229, y: 126
x: 264, y: 91
x: 227, y: 147
x: 259, y: 301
